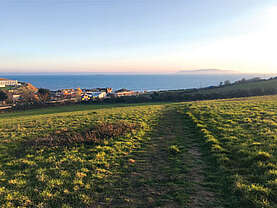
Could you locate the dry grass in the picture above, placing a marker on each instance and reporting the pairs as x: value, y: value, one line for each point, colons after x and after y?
x: 97, y: 135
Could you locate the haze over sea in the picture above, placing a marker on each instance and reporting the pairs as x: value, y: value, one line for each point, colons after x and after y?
x: 132, y: 82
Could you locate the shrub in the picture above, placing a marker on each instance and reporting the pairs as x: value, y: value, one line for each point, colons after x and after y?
x: 3, y: 95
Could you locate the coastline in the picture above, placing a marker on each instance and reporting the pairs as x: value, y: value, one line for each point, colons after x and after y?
x: 143, y: 82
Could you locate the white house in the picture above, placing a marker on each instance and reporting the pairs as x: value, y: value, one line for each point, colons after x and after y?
x: 6, y: 82
x: 94, y: 95
x: 97, y: 94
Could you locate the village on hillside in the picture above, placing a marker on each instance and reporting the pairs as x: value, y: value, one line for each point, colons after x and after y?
x: 20, y: 95
x: 17, y: 93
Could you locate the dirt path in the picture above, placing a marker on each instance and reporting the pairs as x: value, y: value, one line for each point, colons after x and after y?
x: 168, y: 171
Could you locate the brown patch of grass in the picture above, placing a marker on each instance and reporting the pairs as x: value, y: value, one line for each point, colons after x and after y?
x: 97, y: 135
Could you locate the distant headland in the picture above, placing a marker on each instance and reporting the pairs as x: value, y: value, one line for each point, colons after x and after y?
x: 209, y: 71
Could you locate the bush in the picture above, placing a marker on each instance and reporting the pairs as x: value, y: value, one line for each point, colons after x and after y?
x: 3, y: 96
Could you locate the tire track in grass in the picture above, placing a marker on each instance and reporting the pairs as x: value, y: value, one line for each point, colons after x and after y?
x: 151, y: 178
x: 201, y: 196
x: 167, y: 171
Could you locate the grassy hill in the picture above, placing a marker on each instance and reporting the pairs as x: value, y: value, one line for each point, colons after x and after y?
x: 71, y: 156
x: 220, y: 153
x: 250, y: 85
x: 245, y: 88
x: 240, y: 136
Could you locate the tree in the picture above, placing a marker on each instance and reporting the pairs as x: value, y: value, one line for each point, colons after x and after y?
x: 227, y: 82
x: 10, y: 99
x: 28, y: 96
x: 78, y: 94
x: 3, y: 95
x: 43, y: 94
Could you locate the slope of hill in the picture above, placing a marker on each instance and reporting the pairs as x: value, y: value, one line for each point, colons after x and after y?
x: 218, y: 153
x: 64, y: 156
x: 240, y: 136
x: 242, y: 88
x: 209, y: 71
x: 246, y: 85
x: 94, y: 156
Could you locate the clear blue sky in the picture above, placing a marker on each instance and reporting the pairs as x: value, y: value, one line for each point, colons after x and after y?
x: 138, y: 36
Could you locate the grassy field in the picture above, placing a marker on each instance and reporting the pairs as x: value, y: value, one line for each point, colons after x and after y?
x: 247, y: 88
x: 241, y: 137
x: 64, y: 176
x: 266, y: 84
x: 149, y: 166
x: 219, y: 153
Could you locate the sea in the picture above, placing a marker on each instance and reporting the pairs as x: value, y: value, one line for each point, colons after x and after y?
x: 131, y: 82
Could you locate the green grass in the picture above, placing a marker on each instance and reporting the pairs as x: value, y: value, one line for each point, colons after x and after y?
x: 69, y: 176
x: 267, y: 84
x: 69, y: 108
x: 157, y: 174
x: 241, y: 135
x: 39, y: 122
x: 157, y: 165
x: 145, y: 168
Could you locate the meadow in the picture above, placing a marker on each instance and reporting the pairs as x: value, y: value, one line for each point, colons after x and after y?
x: 242, y: 88
x: 219, y: 153
x: 240, y: 135
x: 254, y: 85
x: 65, y: 175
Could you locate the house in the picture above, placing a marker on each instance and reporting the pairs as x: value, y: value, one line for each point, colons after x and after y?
x: 124, y: 92
x: 68, y: 92
x: 7, y: 82
x: 107, y: 90
x: 16, y: 97
x: 93, y: 95
x: 99, y: 95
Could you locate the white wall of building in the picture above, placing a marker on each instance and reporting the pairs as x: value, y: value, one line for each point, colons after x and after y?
x: 4, y: 83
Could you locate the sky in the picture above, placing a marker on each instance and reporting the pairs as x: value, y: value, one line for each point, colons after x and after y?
x: 137, y: 36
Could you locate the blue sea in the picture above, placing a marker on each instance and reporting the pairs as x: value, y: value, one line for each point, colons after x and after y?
x: 132, y: 82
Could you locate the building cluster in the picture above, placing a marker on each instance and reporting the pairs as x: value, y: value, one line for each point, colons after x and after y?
x: 7, y: 82
x: 20, y: 92
x: 90, y: 94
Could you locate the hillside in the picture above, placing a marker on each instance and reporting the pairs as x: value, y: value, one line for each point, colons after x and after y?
x: 240, y: 137
x: 218, y: 153
x: 208, y: 71
x: 262, y: 84
x: 82, y: 155
x: 241, y: 88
